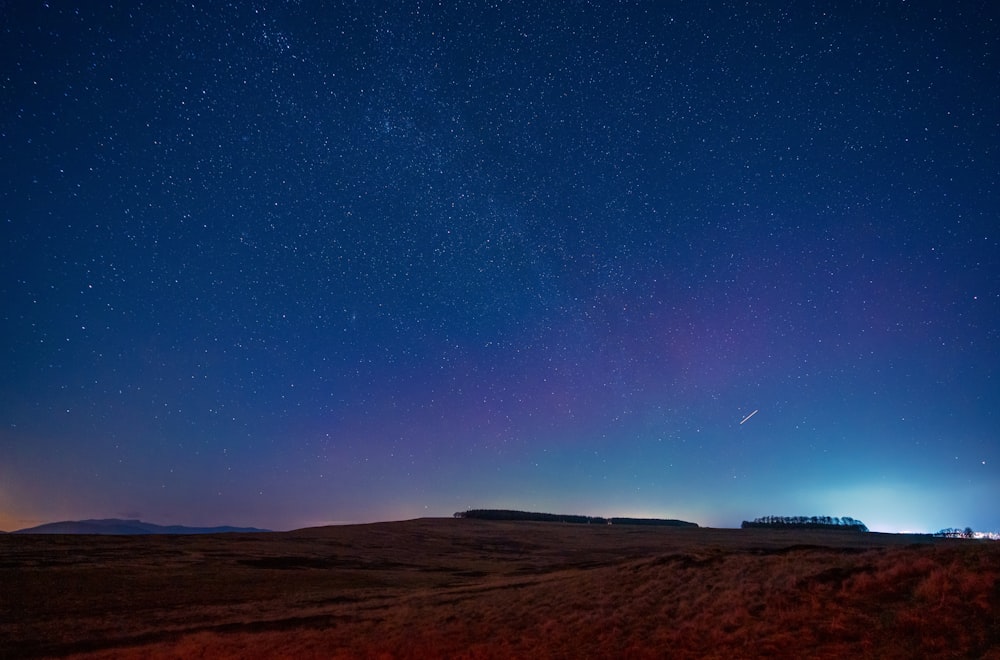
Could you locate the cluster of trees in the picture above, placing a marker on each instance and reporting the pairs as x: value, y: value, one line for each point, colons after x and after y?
x: 954, y: 533
x: 807, y: 522
x: 506, y: 514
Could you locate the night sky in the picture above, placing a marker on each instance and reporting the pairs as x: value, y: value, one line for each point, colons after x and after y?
x: 296, y: 263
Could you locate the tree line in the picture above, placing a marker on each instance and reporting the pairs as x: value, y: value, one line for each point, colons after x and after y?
x: 805, y: 522
x: 507, y: 514
x: 955, y: 533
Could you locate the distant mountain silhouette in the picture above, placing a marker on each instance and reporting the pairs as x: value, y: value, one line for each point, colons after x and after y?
x: 122, y: 527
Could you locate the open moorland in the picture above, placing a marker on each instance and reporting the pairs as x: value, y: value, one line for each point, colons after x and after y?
x: 489, y: 589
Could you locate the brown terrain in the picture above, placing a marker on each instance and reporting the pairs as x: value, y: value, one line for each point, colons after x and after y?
x: 485, y: 589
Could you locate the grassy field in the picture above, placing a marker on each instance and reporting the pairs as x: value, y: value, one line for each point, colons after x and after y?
x: 484, y: 589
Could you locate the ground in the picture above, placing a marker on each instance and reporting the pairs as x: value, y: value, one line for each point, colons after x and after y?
x: 487, y: 589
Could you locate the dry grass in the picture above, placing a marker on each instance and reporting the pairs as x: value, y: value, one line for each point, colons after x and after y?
x: 483, y: 589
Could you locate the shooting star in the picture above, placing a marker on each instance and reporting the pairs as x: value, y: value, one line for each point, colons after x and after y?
x: 749, y: 416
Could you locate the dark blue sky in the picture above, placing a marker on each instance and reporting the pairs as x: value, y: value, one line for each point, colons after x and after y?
x: 291, y: 263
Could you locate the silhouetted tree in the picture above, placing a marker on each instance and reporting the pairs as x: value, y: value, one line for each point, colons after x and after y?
x: 505, y: 514
x: 807, y: 522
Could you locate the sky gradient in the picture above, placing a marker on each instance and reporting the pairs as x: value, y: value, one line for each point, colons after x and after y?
x: 293, y: 263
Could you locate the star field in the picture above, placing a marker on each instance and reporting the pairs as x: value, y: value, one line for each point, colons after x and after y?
x: 293, y: 263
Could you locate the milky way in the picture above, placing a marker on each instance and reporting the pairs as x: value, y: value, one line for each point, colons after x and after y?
x: 283, y: 264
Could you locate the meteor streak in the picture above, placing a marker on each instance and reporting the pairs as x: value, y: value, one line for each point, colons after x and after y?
x: 749, y: 416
